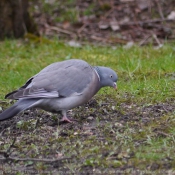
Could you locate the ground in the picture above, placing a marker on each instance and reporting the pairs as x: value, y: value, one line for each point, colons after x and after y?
x: 129, y: 131
x: 92, y: 145
x: 114, y: 22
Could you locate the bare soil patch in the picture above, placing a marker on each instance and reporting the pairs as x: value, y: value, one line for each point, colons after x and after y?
x: 35, y: 129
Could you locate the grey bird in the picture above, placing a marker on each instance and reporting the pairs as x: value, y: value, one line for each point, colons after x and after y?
x: 60, y: 87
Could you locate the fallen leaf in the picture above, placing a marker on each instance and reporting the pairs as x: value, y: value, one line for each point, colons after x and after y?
x: 171, y: 15
x: 143, y: 5
x: 114, y: 25
x: 124, y: 20
x: 73, y: 43
x: 103, y: 25
x: 128, y: 45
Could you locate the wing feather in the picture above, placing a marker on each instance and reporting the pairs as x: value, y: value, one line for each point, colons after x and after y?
x: 60, y: 79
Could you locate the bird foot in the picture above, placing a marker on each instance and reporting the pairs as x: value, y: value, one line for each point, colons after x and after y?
x: 66, y: 119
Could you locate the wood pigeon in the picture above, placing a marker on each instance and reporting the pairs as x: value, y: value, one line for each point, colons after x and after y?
x: 60, y: 87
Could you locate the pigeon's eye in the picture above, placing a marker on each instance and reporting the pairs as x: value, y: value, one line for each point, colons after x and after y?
x: 111, y: 76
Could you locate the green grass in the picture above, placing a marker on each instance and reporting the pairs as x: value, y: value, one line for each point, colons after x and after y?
x: 143, y: 72
x: 146, y: 78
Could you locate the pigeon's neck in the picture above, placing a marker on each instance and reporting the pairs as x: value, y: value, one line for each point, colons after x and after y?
x: 97, y: 71
x: 102, y: 76
x: 100, y: 73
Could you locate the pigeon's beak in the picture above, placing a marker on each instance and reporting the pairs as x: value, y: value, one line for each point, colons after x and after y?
x: 115, y: 85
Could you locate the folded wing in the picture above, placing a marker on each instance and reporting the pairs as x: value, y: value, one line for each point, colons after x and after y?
x: 60, y: 79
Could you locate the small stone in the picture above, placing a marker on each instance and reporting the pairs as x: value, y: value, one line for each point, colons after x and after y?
x: 75, y: 133
x: 114, y: 25
x: 118, y: 124
x: 90, y: 118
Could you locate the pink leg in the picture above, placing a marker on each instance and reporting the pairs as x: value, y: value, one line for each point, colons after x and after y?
x: 65, y: 119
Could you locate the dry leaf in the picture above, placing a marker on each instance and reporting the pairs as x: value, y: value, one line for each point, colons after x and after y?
x: 73, y: 43
x: 103, y: 25
x: 114, y: 25
x: 171, y: 15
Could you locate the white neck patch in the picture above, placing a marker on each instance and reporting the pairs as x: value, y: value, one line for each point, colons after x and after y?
x: 97, y: 75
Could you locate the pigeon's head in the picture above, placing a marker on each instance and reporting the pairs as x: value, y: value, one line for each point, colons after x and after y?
x: 107, y: 76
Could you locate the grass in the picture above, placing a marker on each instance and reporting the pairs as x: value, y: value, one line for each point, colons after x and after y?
x: 134, y: 131
x: 146, y: 73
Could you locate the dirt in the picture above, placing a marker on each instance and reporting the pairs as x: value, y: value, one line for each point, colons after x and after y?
x: 35, y: 142
x: 34, y: 129
x: 82, y: 114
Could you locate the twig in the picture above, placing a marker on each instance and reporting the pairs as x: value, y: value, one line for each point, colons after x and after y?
x: 108, y: 13
x: 144, y: 40
x: 156, y: 39
x: 144, y: 22
x: 7, y: 157
x: 162, y: 133
x: 82, y: 28
x: 159, y: 9
x: 116, y: 40
x: 33, y: 159
x: 60, y: 30
x: 98, y: 38
x: 165, y: 109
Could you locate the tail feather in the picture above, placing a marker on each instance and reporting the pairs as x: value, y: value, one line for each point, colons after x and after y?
x: 10, y: 112
x: 18, y: 107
